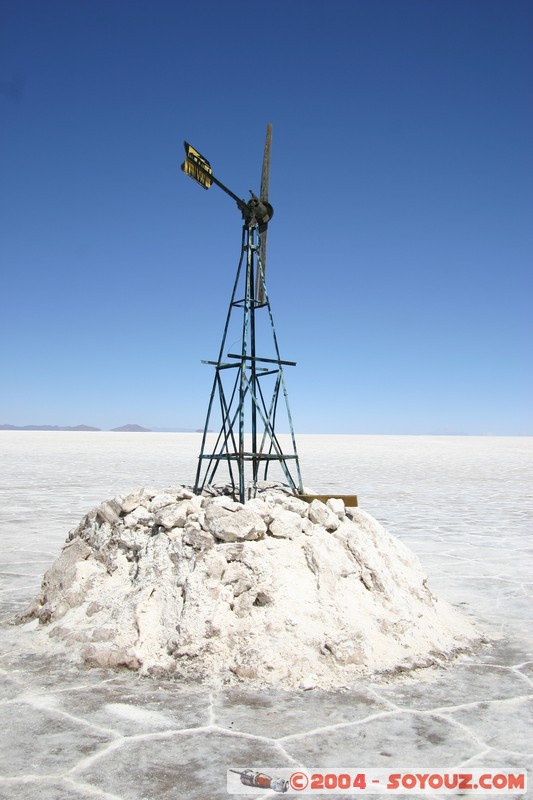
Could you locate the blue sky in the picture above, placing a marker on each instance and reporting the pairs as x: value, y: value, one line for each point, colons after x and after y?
x: 400, y: 252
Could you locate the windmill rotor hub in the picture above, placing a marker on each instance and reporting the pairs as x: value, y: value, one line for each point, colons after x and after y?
x: 259, y: 211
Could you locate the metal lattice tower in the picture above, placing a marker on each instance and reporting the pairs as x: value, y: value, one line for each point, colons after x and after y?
x: 248, y: 389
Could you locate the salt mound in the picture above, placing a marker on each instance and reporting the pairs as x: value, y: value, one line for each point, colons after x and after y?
x: 275, y: 591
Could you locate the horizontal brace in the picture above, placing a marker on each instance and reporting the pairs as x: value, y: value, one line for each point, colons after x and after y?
x: 242, y: 303
x: 265, y: 372
x: 221, y: 365
x: 262, y: 370
x: 266, y: 360
x: 246, y: 457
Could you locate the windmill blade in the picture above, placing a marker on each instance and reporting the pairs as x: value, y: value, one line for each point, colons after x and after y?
x: 263, y: 196
x: 265, y: 172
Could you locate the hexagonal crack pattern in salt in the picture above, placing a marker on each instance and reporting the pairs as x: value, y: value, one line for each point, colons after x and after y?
x: 71, y: 733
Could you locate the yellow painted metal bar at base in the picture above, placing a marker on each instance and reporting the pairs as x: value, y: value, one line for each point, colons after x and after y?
x: 348, y: 499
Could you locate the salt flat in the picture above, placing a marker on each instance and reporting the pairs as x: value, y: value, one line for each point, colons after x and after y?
x: 463, y: 504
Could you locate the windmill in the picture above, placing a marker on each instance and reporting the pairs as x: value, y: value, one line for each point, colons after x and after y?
x: 247, y: 388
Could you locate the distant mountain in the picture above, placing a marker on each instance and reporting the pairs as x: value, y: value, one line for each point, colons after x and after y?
x: 47, y: 428
x: 82, y: 428
x: 132, y: 429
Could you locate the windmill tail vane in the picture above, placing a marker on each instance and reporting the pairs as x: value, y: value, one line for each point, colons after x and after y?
x: 248, y: 393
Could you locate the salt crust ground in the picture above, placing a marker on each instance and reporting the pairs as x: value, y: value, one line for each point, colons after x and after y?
x: 273, y: 592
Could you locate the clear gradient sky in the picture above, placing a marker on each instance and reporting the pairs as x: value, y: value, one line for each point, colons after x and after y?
x: 400, y: 254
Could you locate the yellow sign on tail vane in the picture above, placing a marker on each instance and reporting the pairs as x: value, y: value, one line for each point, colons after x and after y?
x: 197, y: 166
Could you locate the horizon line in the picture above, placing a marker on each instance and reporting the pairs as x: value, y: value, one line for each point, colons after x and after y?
x: 8, y: 428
